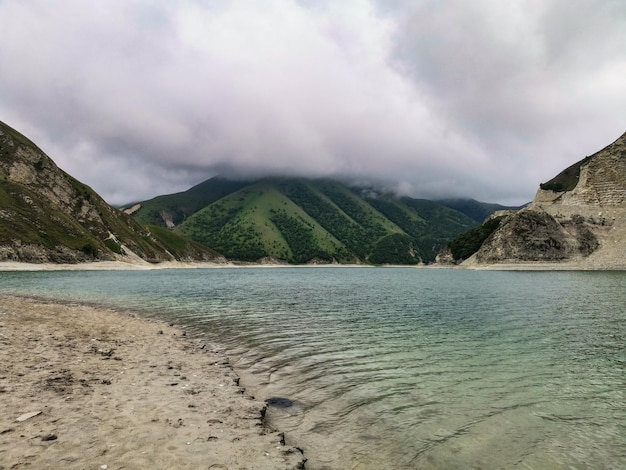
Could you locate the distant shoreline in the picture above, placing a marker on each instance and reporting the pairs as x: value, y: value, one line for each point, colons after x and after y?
x: 9, y: 266
x: 133, y: 266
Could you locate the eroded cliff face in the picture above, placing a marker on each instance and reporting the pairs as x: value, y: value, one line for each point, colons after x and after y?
x: 584, y: 223
x: 535, y: 235
x: 601, y: 182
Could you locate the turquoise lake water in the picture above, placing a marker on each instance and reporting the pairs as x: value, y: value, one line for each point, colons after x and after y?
x: 403, y: 368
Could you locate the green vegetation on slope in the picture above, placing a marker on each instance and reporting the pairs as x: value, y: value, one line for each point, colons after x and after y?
x: 297, y: 220
x: 336, y: 222
x: 475, y: 210
x: 467, y: 243
x: 257, y: 222
x: 24, y: 220
x: 181, y: 248
x: 429, y: 224
x: 300, y: 237
x: 397, y: 248
x: 567, y: 179
x: 46, y: 215
x: 177, y: 207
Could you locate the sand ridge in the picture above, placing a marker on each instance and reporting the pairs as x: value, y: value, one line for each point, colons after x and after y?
x: 118, y: 392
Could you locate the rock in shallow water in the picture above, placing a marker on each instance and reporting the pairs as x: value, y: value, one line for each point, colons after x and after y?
x: 279, y: 402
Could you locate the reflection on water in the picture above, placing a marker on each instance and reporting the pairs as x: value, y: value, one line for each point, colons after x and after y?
x: 405, y: 368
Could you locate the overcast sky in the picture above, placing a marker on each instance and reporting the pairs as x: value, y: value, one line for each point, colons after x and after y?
x: 480, y: 98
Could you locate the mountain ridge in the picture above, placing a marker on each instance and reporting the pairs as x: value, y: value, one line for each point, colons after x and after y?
x: 301, y: 220
x: 46, y: 215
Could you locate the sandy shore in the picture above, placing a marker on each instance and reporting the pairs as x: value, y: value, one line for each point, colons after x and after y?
x: 575, y: 265
x: 107, y: 265
x: 145, y: 266
x: 90, y: 388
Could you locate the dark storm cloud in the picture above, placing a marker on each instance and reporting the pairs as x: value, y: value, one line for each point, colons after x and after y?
x: 483, y: 99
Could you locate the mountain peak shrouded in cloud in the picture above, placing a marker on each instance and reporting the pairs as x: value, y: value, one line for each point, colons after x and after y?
x: 477, y: 99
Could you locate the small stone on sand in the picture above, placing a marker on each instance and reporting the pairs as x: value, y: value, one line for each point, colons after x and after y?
x: 26, y: 416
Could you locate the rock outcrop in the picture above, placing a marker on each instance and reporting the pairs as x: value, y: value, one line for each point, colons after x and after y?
x: 577, y: 219
x: 48, y: 216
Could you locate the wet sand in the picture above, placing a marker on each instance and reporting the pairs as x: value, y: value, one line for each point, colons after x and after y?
x: 84, y: 387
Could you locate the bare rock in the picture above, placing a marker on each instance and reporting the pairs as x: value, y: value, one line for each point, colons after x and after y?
x: 577, y: 217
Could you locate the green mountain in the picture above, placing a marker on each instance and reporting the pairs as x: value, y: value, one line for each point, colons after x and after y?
x: 476, y: 210
x: 299, y: 220
x: 48, y: 216
x: 173, y: 209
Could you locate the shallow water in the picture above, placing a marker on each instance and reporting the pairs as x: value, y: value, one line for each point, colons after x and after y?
x: 402, y: 367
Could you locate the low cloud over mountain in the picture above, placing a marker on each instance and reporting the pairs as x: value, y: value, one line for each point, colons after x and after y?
x: 481, y: 99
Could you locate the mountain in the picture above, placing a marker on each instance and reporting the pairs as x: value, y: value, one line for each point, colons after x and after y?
x: 171, y: 210
x: 577, y: 219
x: 299, y: 220
x: 476, y: 210
x: 48, y: 216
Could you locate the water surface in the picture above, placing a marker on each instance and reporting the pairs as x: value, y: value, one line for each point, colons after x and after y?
x: 403, y: 367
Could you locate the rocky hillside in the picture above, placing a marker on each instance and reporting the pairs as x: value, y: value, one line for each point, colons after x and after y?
x: 48, y: 216
x: 577, y: 219
x: 299, y: 220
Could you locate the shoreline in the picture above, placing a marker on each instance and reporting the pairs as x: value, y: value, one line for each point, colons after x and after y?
x: 574, y: 265
x: 87, y: 387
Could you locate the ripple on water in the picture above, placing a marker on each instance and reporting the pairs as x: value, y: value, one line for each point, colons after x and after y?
x: 406, y: 368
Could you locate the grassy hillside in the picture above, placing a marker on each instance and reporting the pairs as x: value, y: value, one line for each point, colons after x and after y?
x: 177, y: 207
x: 475, y: 210
x: 567, y: 179
x: 467, y: 243
x: 46, y: 215
x: 260, y: 221
x: 298, y: 220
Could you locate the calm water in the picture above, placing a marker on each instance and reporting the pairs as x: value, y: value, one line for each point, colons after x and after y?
x: 404, y: 368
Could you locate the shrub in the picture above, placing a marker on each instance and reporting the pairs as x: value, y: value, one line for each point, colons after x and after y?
x: 466, y: 244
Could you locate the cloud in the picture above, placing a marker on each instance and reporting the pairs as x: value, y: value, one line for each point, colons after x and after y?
x: 532, y: 81
x: 483, y: 99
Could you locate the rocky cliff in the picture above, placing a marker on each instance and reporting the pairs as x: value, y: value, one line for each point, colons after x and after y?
x: 48, y: 216
x: 577, y: 219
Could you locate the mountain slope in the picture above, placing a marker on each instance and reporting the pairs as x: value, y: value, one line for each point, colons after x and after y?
x: 173, y: 209
x: 578, y: 218
x: 48, y: 216
x: 476, y: 210
x: 299, y: 220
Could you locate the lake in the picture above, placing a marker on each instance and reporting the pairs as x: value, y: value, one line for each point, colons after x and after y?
x: 403, y: 368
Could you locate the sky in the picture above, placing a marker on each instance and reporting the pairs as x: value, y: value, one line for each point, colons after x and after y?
x: 432, y: 98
